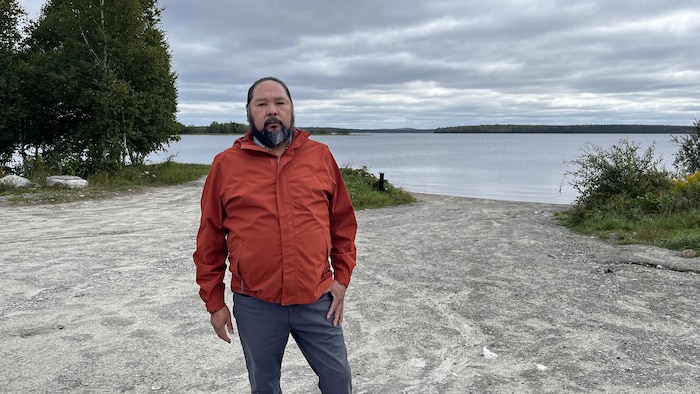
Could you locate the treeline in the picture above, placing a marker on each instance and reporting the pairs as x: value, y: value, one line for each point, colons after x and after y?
x: 327, y: 130
x: 86, y: 87
x: 593, y: 129
x: 215, y: 128
x: 241, y: 128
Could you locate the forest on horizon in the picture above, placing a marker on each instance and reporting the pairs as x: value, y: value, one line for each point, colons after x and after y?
x: 241, y: 128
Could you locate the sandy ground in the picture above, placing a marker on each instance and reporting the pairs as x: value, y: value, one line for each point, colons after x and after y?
x: 99, y: 296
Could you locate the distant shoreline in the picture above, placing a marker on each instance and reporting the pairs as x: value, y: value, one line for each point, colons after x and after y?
x: 233, y: 128
x: 490, y: 129
x: 570, y: 129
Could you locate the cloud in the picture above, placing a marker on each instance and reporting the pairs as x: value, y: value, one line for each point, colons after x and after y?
x: 426, y: 64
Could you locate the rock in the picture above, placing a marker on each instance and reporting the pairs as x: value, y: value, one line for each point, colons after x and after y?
x: 689, y: 253
x: 16, y: 181
x: 68, y: 181
x: 488, y: 354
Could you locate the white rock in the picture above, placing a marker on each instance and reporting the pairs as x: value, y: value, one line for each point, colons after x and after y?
x: 16, y: 181
x: 66, y: 181
x: 489, y: 354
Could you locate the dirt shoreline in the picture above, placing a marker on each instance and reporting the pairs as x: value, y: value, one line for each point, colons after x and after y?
x: 99, y: 296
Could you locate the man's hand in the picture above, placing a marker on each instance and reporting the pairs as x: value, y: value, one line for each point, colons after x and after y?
x: 221, y: 321
x: 336, y: 310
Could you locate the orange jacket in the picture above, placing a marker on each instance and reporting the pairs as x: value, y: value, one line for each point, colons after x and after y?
x: 286, y: 224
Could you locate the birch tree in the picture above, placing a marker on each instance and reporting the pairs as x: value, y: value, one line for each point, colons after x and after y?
x: 11, y: 14
x: 111, y: 91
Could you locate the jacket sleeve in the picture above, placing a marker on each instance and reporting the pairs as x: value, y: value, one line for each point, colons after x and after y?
x: 343, y: 230
x: 211, y: 252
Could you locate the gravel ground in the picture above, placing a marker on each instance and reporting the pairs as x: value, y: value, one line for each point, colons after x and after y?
x: 451, y: 295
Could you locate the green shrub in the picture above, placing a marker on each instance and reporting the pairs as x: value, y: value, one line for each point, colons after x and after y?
x: 684, y: 194
x: 620, y: 172
x: 625, y: 197
x: 688, y: 157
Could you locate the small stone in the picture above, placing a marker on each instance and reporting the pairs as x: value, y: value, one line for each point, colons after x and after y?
x: 689, y: 253
x: 487, y: 354
x: 68, y: 181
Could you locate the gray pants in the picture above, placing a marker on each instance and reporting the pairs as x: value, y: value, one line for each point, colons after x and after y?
x: 264, y: 329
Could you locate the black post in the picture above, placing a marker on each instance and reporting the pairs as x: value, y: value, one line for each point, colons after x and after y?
x: 380, y: 187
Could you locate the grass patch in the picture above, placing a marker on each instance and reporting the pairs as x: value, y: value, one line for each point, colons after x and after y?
x: 674, y: 231
x: 104, y: 185
x: 364, y: 190
x: 361, y: 184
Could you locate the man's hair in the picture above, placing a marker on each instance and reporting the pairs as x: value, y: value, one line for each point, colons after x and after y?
x: 256, y: 83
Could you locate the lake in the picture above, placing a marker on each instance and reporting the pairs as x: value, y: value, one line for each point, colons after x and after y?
x: 511, y: 167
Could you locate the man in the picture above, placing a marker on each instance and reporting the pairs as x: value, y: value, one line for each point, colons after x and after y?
x: 276, y: 205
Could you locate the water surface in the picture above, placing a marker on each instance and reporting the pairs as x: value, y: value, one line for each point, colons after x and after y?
x: 512, y: 167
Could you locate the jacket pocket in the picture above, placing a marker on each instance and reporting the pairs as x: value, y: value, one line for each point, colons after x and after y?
x: 234, y: 252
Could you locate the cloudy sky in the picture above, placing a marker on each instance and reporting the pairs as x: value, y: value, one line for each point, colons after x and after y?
x: 427, y: 64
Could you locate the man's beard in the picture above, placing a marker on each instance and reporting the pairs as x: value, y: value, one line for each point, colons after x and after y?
x: 272, y: 138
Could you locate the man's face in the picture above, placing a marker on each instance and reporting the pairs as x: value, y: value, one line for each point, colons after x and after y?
x: 270, y: 110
